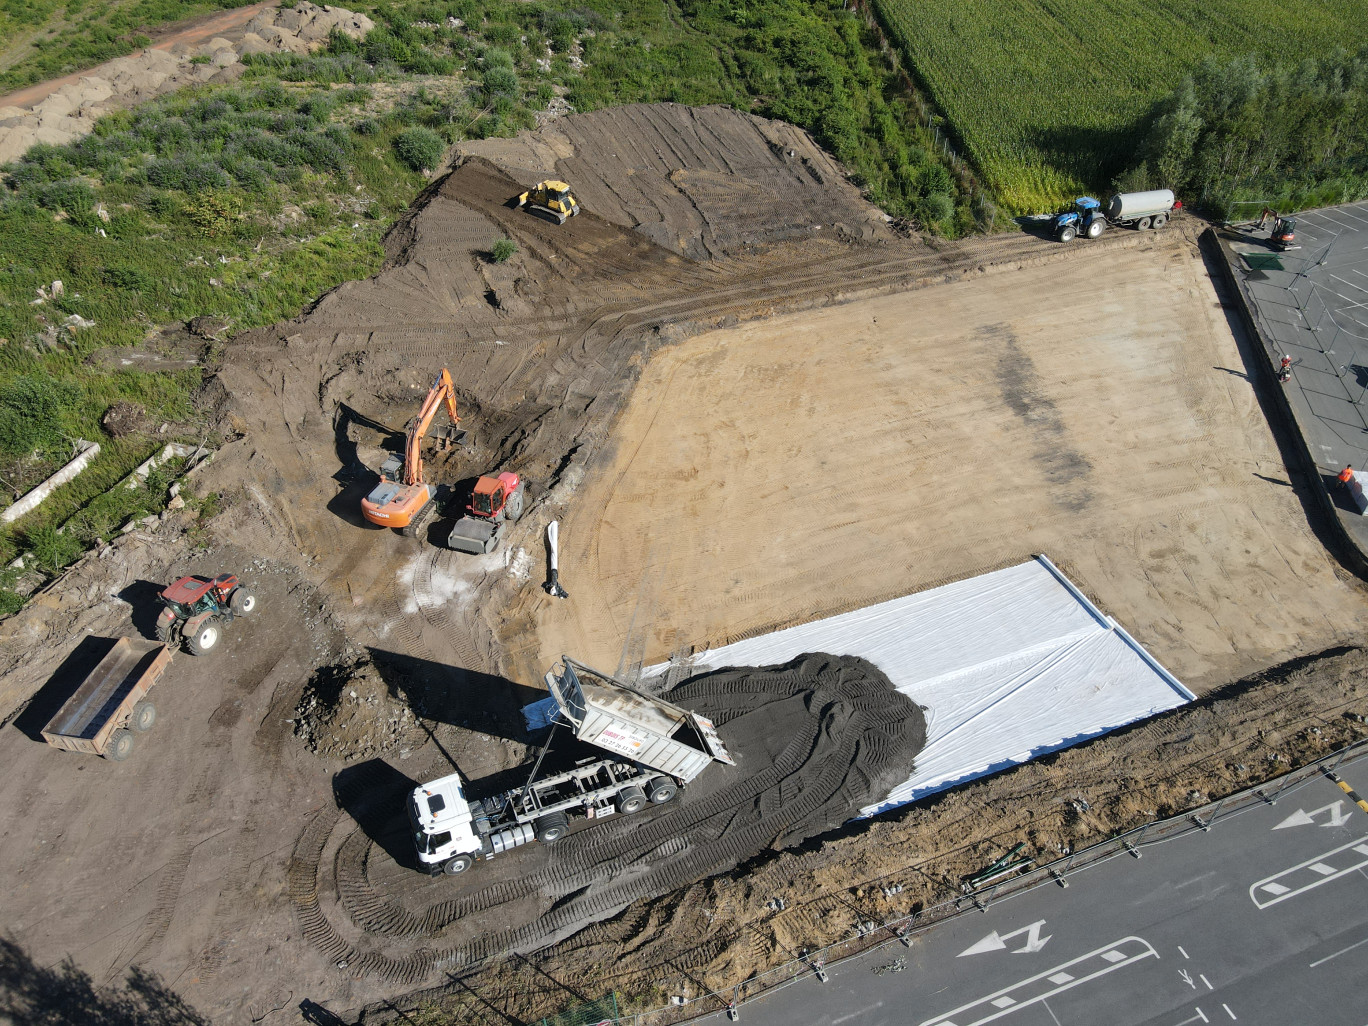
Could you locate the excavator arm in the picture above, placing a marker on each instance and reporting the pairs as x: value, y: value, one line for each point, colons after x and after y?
x: 442, y: 391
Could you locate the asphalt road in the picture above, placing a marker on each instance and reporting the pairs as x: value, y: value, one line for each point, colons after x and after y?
x: 1261, y: 920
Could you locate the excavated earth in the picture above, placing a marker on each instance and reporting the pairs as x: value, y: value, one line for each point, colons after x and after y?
x: 749, y: 402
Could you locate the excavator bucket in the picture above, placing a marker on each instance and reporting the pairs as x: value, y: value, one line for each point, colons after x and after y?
x: 476, y: 535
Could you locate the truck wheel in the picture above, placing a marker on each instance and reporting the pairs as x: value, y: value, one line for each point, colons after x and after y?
x: 1160, y: 220
x: 206, y: 637
x: 120, y: 745
x: 1067, y: 233
x: 241, y: 601
x: 1142, y: 224
x: 144, y: 715
x: 1095, y: 227
x: 660, y: 790
x: 457, y: 865
x: 630, y: 800
x: 552, y: 828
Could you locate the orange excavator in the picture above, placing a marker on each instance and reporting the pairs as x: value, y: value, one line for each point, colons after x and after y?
x: 403, y: 499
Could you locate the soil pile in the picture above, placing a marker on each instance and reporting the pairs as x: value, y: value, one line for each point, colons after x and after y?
x: 814, y: 740
x: 350, y: 712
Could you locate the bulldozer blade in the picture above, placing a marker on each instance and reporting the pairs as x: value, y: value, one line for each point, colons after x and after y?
x: 475, y: 535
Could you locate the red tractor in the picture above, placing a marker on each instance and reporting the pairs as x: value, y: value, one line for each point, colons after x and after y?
x: 198, y: 607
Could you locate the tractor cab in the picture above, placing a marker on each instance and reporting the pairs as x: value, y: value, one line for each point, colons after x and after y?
x: 192, y: 595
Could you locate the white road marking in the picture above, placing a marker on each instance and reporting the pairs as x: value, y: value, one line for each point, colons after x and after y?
x: 1187, y: 978
x: 1099, y: 962
x: 1202, y: 977
x: 1337, y: 954
x: 1228, y: 1011
x: 1310, y: 874
x: 998, y: 941
x: 1181, y: 951
x: 1199, y: 1017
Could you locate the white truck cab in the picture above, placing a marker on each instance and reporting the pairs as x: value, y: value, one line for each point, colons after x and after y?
x: 443, y: 826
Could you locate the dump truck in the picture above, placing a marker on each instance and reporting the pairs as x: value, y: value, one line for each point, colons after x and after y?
x: 1138, y: 210
x: 111, y: 704
x: 655, y: 749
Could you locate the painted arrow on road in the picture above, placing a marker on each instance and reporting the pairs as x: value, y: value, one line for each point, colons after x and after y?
x: 998, y: 941
x: 1338, y: 817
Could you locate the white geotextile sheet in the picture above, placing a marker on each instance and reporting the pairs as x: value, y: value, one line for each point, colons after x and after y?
x: 1008, y: 666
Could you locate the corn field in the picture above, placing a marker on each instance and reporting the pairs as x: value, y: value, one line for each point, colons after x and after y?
x: 1048, y: 97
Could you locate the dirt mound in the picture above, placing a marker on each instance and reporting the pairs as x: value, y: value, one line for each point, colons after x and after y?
x: 349, y: 711
x: 814, y: 740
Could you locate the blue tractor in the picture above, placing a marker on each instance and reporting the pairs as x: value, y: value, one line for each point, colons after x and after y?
x: 1085, y: 217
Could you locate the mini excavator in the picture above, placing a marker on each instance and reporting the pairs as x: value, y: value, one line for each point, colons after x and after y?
x: 1283, y: 235
x: 403, y: 499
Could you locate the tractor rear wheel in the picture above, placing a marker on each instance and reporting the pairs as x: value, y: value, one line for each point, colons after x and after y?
x: 1142, y: 224
x: 166, y: 630
x: 1067, y: 233
x: 241, y: 601
x: 1096, y: 227
x: 120, y: 745
x: 144, y: 715
x: 206, y: 637
x: 1160, y: 220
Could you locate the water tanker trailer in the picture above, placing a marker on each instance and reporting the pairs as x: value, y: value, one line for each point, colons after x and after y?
x: 1138, y: 210
x: 655, y: 749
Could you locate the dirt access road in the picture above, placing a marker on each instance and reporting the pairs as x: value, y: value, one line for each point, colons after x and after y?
x: 750, y: 403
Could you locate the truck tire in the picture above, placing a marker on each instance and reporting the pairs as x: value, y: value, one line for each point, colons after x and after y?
x: 120, y: 745
x: 1160, y: 220
x: 552, y: 827
x: 1067, y: 233
x: 630, y: 799
x: 661, y: 790
x: 241, y: 601
x: 204, y: 639
x: 144, y: 715
x: 1096, y: 227
x: 1142, y: 224
x: 457, y: 865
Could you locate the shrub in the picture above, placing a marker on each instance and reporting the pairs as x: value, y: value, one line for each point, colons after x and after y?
x: 419, y: 148
x: 502, y: 250
x: 51, y: 548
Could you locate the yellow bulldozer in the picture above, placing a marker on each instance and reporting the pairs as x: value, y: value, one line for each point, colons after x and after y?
x: 550, y: 199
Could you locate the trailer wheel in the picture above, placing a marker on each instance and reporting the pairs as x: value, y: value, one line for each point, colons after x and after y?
x: 551, y: 828
x: 1067, y: 233
x: 660, y: 790
x: 1160, y: 220
x: 1142, y: 224
x: 457, y: 865
x: 1095, y: 227
x: 144, y: 715
x: 120, y: 745
x: 631, y: 799
x: 241, y: 601
x: 206, y: 637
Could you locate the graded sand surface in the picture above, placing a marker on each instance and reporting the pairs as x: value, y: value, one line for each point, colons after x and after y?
x: 1092, y: 410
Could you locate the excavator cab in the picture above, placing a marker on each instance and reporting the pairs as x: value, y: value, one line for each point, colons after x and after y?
x: 1283, y: 235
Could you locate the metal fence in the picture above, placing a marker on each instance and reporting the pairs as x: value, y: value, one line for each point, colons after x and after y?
x: 906, y: 928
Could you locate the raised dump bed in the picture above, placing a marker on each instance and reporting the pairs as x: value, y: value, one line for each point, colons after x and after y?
x: 627, y: 722
x: 111, y: 703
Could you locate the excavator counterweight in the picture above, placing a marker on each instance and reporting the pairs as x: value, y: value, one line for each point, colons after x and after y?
x: 403, y: 499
